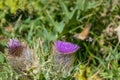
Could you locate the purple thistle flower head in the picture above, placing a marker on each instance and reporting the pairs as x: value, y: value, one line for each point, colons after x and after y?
x: 66, y: 47
x: 15, y: 48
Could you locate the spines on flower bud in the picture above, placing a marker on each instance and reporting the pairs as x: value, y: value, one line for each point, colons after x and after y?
x: 21, y: 58
x: 63, y: 54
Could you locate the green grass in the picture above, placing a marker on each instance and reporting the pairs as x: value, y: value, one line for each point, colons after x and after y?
x: 50, y: 20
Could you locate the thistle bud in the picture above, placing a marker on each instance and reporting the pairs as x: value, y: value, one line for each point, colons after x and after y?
x: 21, y: 58
x: 15, y: 48
x: 63, y: 55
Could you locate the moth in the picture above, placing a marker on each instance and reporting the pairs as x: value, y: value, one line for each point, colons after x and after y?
x: 84, y: 34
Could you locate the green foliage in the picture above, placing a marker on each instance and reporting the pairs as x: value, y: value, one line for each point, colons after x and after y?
x: 1, y: 58
x: 61, y: 19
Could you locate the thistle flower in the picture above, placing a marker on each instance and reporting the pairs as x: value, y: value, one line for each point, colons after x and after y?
x: 21, y: 58
x: 63, y: 54
x: 66, y: 47
x: 15, y: 47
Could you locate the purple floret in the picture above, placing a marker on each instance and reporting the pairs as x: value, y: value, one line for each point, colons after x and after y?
x: 15, y: 48
x: 13, y: 43
x: 66, y: 47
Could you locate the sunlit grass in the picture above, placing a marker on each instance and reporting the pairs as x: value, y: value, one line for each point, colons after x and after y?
x: 52, y: 20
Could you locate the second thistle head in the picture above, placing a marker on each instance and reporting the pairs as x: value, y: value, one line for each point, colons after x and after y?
x: 21, y: 58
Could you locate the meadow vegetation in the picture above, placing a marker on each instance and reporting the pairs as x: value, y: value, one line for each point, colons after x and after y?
x: 38, y: 23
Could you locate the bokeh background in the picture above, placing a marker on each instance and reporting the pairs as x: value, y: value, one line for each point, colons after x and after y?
x: 38, y: 23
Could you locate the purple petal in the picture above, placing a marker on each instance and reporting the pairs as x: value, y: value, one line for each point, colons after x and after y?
x: 15, y: 48
x: 66, y: 47
x: 13, y: 43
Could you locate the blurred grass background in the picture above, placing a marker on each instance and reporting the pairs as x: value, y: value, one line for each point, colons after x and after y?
x: 49, y: 20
